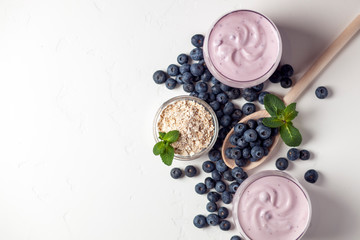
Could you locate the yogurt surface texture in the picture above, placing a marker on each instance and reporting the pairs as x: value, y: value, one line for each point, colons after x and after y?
x: 243, y: 46
x: 272, y: 207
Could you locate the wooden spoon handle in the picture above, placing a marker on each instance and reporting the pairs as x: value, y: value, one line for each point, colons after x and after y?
x: 322, y: 61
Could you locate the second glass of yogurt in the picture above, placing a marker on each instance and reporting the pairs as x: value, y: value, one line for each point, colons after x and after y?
x: 243, y: 48
x: 271, y: 205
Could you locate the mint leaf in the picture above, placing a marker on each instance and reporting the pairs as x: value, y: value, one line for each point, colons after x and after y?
x: 289, y: 112
x: 273, y: 105
x: 168, y: 155
x: 272, y: 122
x: 159, y: 148
x: 171, y: 136
x: 290, y: 135
x: 161, y: 135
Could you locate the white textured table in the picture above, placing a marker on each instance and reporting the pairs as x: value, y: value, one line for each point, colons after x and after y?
x: 77, y: 101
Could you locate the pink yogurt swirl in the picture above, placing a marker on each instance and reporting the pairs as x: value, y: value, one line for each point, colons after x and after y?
x: 273, y: 208
x: 243, y: 45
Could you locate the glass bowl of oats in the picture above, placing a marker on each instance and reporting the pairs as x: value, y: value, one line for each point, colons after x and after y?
x: 194, y: 119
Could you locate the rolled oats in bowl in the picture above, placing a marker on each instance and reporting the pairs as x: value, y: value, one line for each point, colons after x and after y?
x: 194, y: 119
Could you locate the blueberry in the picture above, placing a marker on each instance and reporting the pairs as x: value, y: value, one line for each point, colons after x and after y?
x: 321, y: 92
x: 197, y: 40
x: 170, y: 83
x: 212, y: 97
x: 275, y: 77
x: 159, y: 77
x: 252, y: 123
x: 228, y: 176
x: 219, y: 113
x: 216, y: 175
x: 261, y: 97
x: 250, y: 135
x: 221, y: 166
x: 250, y: 94
x: 222, y: 98
x: 235, y: 238
x: 209, y: 182
x: 225, y: 120
x: 257, y: 152
x: 211, y: 207
x: 196, y: 69
x: 282, y: 163
x: 206, y: 76
x: 228, y: 152
x: 263, y: 131
x: 267, y: 142
x: 196, y: 54
x: 240, y: 128
x: 233, y: 93
x: 204, y: 96
x: 176, y: 173
x: 216, y: 89
x: 225, y: 87
x: 237, y: 172
x: 194, y: 94
x: 304, y: 154
x: 266, y: 151
x: 258, y: 87
x: 225, y: 225
x: 260, y: 122
x: 220, y: 186
x: 286, y: 82
x: 213, y: 219
x: 241, y: 162
x: 286, y: 70
x: 223, y: 212
x: 215, y: 105
x: 233, y: 187
x: 246, y: 153
x: 186, y: 77
x: 233, y: 139
x: 214, y: 155
x: 208, y: 166
x: 311, y: 176
x: 200, y: 188
x: 258, y: 142
x: 179, y: 79
x: 201, y: 87
x: 229, y: 108
x: 236, y: 153
x: 213, y: 196
x: 226, y: 197
x: 214, y: 80
x: 182, y: 58
x: 173, y: 70
x: 200, y: 221
x: 223, y: 132
x: 190, y: 171
x: 236, y: 115
x: 293, y: 154
x: 188, y: 87
x: 242, y: 143
x: 184, y: 68
x: 248, y: 108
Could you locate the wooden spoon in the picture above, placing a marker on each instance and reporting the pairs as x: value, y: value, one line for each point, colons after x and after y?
x: 298, y: 88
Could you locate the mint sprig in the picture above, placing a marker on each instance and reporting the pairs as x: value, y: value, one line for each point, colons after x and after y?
x: 281, y: 117
x: 164, y: 148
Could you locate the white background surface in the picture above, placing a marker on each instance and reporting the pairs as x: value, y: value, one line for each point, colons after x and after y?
x: 77, y: 102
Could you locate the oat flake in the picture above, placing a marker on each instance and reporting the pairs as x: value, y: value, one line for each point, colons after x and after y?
x: 193, y: 122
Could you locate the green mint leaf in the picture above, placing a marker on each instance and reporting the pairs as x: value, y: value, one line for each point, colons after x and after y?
x: 272, y: 122
x: 290, y: 135
x: 171, y: 136
x: 289, y: 112
x: 159, y: 148
x: 273, y: 105
x: 168, y: 155
x: 161, y: 135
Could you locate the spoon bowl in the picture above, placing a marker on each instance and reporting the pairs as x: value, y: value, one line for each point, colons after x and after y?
x: 296, y: 91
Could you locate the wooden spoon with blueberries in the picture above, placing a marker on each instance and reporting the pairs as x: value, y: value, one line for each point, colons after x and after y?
x: 277, y: 108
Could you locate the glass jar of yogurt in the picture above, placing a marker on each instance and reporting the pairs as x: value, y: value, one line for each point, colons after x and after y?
x: 271, y: 205
x: 243, y: 48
